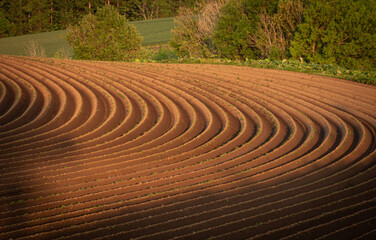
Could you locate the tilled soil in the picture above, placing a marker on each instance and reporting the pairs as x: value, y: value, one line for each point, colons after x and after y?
x: 105, y: 150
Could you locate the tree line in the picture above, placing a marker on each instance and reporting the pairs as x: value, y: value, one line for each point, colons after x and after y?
x: 19, y: 17
x: 338, y: 32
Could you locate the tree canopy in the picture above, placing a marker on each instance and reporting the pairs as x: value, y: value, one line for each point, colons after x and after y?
x: 105, y: 35
x: 18, y: 17
x: 339, y: 32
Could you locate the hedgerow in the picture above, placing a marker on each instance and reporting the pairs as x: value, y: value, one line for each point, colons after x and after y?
x: 338, y: 32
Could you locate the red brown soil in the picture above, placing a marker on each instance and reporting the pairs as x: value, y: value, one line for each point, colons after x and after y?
x: 100, y: 150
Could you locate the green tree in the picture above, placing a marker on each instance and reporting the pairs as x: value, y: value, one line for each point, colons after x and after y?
x: 26, y: 16
x: 38, y: 15
x: 16, y: 16
x: 232, y: 30
x: 275, y: 31
x: 339, y: 32
x: 236, y: 26
x: 105, y: 35
x: 5, y: 26
x: 147, y: 9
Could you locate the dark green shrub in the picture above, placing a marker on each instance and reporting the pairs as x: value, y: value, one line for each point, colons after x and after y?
x: 237, y: 25
x: 164, y: 53
x: 232, y: 32
x: 107, y: 35
x: 5, y: 26
x: 338, y: 32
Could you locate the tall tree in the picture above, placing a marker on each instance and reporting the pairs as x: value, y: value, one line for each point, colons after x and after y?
x: 17, y: 16
x: 5, y: 26
x: 38, y: 15
x: 52, y: 14
x: 149, y: 9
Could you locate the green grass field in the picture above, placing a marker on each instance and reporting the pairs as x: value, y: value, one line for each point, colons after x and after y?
x: 50, y: 41
x: 156, y: 31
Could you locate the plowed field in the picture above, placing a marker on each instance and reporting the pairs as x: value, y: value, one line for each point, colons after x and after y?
x: 100, y: 150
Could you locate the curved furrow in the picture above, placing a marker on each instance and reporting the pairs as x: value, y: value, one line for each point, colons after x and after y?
x: 326, y: 86
x: 74, y: 117
x: 6, y: 96
x: 93, y: 118
x: 303, y: 102
x: 21, y: 97
x: 51, y: 114
x: 171, y: 117
x: 35, y: 104
x: 40, y: 113
x: 101, y: 150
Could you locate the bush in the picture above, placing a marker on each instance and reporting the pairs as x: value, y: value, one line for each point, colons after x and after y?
x: 338, y: 32
x: 163, y: 54
x: 107, y: 35
x: 192, y: 36
x: 62, y: 53
x: 34, y: 49
x: 275, y: 31
x: 231, y: 32
x: 237, y: 25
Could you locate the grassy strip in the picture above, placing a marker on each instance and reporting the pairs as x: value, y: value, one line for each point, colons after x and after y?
x: 367, y: 77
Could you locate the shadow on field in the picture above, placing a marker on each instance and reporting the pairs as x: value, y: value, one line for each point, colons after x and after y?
x: 21, y: 187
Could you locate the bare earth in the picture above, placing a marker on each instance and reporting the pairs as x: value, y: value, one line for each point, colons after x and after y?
x: 100, y: 150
